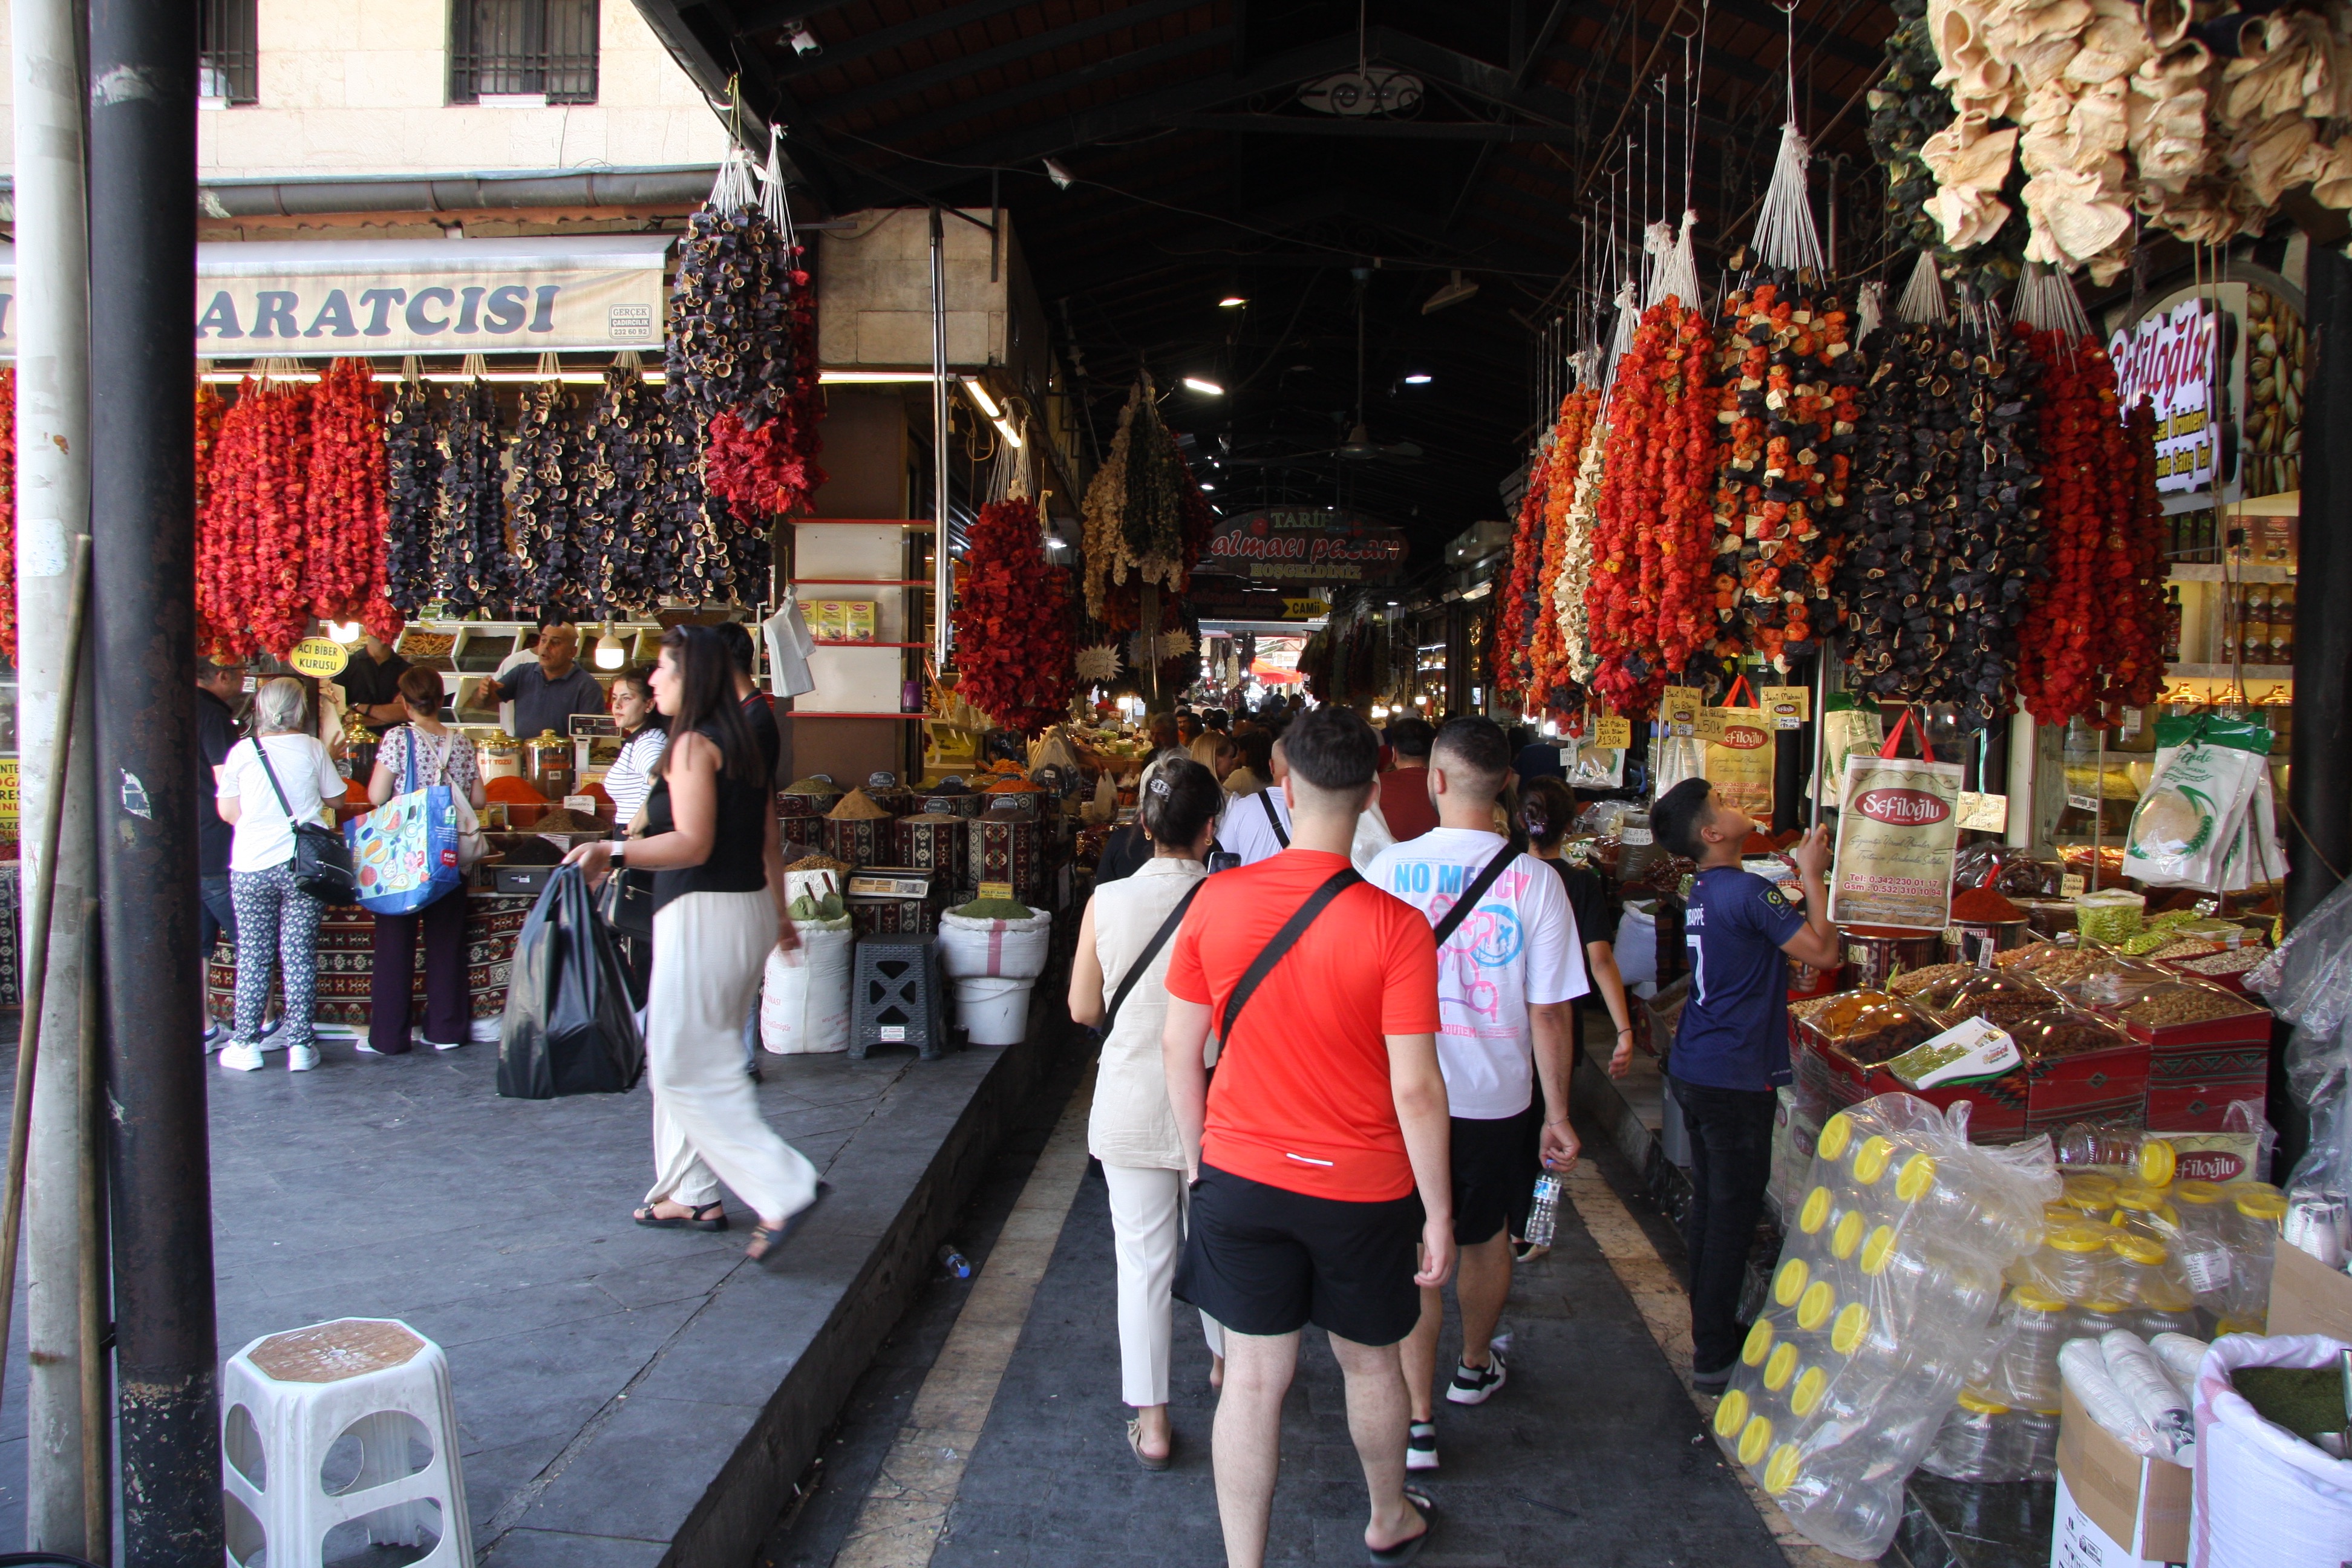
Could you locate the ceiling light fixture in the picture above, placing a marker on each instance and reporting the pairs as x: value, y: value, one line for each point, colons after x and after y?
x: 610, y: 652
x: 1232, y: 302
x: 803, y: 42
x: 1206, y: 388
x: 1453, y: 293
x: 973, y: 385
x: 1011, y: 437
x: 1058, y: 175
x: 1207, y: 486
x: 1418, y: 378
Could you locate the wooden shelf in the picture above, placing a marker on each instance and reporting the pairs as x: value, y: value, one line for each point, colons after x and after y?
x: 863, y: 522
x: 863, y: 583
x: 2242, y: 572
x: 2231, y: 671
x: 803, y: 713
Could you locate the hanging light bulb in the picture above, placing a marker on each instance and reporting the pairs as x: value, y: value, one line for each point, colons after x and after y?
x: 610, y: 654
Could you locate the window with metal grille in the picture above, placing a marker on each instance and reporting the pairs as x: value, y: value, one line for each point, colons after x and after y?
x: 506, y: 48
x: 226, y: 55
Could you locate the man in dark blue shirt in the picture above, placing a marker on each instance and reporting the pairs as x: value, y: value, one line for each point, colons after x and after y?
x: 1731, y: 1046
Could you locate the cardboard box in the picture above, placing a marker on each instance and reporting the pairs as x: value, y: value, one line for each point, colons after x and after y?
x: 2116, y: 1509
x: 2307, y: 1297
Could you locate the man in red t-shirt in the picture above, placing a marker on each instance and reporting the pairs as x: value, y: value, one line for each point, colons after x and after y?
x: 1322, y: 1157
x: 1404, y: 791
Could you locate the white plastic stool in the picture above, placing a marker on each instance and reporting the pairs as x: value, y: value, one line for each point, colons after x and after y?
x: 286, y: 1399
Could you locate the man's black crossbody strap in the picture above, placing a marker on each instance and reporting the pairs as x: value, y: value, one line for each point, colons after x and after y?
x: 1471, y: 895
x: 1272, y: 818
x: 1150, y: 951
x: 1283, y: 939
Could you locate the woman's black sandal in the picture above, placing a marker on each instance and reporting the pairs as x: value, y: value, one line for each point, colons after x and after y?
x: 710, y: 1217
x: 1405, y: 1551
x: 771, y: 1242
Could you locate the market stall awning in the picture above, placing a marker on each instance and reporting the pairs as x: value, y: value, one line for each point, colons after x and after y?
x: 322, y: 298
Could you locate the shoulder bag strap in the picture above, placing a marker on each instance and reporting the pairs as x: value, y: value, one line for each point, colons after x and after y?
x: 1272, y: 818
x: 408, y: 749
x: 1471, y: 895
x: 1150, y: 951
x: 262, y: 750
x: 1283, y: 939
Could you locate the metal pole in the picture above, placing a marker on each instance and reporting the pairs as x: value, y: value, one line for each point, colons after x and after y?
x: 2319, y: 847
x: 143, y: 220
x: 40, y: 905
x: 943, y: 564
x: 96, y: 1385
x: 52, y: 323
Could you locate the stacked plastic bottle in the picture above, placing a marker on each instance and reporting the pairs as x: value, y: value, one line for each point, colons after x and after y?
x: 1877, y: 1307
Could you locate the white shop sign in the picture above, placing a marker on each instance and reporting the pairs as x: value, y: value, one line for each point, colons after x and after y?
x: 321, y: 299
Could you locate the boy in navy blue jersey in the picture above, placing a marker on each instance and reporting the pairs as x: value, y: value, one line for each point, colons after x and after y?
x: 1731, y: 1046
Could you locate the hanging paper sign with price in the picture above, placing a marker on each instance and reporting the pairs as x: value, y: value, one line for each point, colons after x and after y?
x: 1613, y: 732
x: 1678, y: 708
x: 1788, y: 706
x: 1981, y: 813
x: 1707, y: 724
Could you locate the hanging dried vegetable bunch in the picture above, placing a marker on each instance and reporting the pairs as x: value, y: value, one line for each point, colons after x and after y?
x: 1905, y: 109
x: 1553, y: 684
x: 472, y: 569
x: 1650, y: 603
x: 1102, y: 537
x: 8, y: 510
x: 2273, y: 435
x: 1787, y: 417
x: 1151, y: 524
x: 1947, y: 534
x: 250, y: 541
x: 555, y: 562
x: 1016, y: 641
x: 1515, y: 617
x: 209, y: 412
x: 616, y: 480
x: 412, y: 460
x: 686, y: 558
x: 1568, y: 592
x: 741, y: 353
x: 344, y: 521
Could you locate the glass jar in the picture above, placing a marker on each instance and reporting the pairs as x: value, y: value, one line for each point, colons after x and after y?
x: 2143, y: 1211
x: 501, y: 757
x: 2091, y: 1192
x: 2101, y: 1315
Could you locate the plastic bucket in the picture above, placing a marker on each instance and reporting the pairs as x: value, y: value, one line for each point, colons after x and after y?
x: 993, y: 1010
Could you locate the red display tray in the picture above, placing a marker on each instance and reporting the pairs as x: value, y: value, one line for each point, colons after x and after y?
x: 2199, y: 1107
x: 2243, y: 1028
x: 2096, y: 1085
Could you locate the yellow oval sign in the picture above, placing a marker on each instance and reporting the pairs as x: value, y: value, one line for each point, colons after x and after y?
x: 318, y: 655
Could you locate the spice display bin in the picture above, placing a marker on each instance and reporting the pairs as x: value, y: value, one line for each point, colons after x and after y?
x: 860, y: 840
x: 1010, y: 849
x: 940, y: 841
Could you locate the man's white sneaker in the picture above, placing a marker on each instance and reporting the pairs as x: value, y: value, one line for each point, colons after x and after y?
x: 1476, y: 1385
x: 1421, y: 1445
x: 241, y: 1057
x: 302, y: 1059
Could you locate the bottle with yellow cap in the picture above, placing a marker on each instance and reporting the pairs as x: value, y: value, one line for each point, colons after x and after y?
x: 2257, y: 1214
x: 2032, y: 1324
x: 1979, y: 1441
x: 2071, y: 1259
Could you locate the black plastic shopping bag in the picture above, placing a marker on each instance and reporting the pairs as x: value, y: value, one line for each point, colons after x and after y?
x: 568, y: 1028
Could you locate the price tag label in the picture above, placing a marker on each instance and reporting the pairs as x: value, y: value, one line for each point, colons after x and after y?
x: 2131, y: 722
x: 892, y: 1034
x: 1613, y: 732
x: 318, y: 657
x: 1982, y: 813
x: 2083, y: 801
x: 1789, y: 706
x: 1678, y: 708
x: 585, y: 805
x: 1710, y: 723
x: 997, y: 890
x: 2070, y: 883
x: 1568, y: 756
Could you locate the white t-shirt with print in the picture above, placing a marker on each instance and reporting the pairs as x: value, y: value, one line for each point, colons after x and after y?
x: 1518, y: 948
x: 265, y: 833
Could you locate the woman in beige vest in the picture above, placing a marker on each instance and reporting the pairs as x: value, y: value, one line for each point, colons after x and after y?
x: 1132, y: 1128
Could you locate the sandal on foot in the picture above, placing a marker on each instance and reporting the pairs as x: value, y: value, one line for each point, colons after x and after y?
x: 771, y: 1243
x: 710, y: 1217
x: 1135, y: 1441
x: 1405, y: 1551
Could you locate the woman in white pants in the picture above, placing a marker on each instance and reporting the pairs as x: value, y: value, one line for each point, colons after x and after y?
x: 1132, y: 1128
x: 709, y: 839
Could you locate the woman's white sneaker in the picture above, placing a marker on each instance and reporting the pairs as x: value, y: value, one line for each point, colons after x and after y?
x: 1421, y: 1445
x: 301, y: 1058
x: 241, y: 1057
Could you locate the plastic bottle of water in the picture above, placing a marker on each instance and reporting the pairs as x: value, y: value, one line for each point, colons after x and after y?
x: 956, y: 1264
x: 1544, y: 1217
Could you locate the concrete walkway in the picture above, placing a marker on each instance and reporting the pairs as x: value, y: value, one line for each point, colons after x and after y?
x: 1595, y: 1453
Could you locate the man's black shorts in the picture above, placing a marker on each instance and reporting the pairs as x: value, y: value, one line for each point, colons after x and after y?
x: 1492, y: 1169
x: 1263, y: 1260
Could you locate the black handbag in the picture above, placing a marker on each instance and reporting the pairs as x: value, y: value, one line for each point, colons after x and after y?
x: 323, y: 861
x: 626, y: 904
